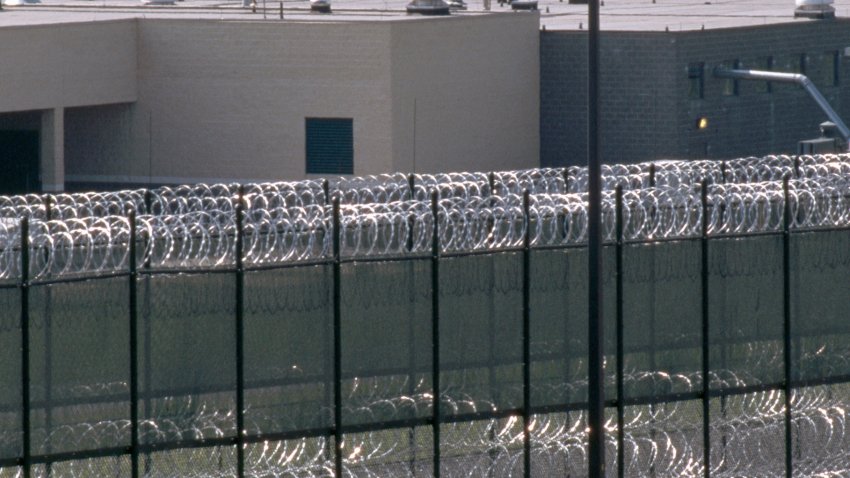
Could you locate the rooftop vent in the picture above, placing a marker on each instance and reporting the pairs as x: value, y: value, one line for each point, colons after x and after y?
x: 821, y: 9
x: 524, y: 4
x: 321, y: 6
x: 428, y: 7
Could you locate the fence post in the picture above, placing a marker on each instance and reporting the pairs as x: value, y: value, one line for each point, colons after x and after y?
x: 435, y: 332
x: 337, y: 313
x: 786, y: 322
x: 411, y: 183
x: 526, y: 335
x: 621, y: 460
x: 134, y: 349
x: 240, y: 334
x: 326, y: 190
x: 25, y: 348
x: 706, y: 398
x: 652, y: 175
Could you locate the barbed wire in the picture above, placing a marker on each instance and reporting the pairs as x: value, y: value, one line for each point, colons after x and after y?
x: 195, y: 226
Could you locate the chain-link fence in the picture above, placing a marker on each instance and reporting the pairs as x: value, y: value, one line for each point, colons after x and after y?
x: 302, y: 329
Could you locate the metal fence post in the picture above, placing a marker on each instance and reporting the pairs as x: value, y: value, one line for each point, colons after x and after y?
x: 526, y: 335
x: 240, y: 334
x: 435, y: 332
x: 619, y: 317
x: 134, y: 348
x: 337, y: 313
x: 706, y: 398
x: 786, y: 322
x: 25, y: 348
x: 326, y: 190
x: 652, y: 175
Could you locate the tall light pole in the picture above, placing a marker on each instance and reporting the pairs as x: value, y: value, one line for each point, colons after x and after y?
x: 595, y: 369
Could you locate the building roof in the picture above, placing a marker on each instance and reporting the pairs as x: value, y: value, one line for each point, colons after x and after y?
x: 616, y: 15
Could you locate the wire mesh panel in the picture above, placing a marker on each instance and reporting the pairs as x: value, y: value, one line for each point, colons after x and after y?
x: 11, y: 472
x: 386, y: 341
x: 11, y: 430
x: 206, y: 462
x: 559, y: 325
x: 106, y: 467
x: 662, y: 323
x: 820, y: 341
x: 745, y: 311
x: 481, y: 333
x: 558, y: 328
x: 482, y: 448
x: 748, y: 435
x: 188, y: 359
x: 820, y: 439
x: 395, y: 452
x: 559, y: 444
x: 297, y: 458
x: 80, y: 366
x: 288, y: 345
x: 820, y: 278
x: 663, y: 439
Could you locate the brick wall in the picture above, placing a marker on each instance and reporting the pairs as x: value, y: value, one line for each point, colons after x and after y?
x: 646, y: 111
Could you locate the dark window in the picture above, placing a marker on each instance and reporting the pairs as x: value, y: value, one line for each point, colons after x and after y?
x: 696, y: 80
x: 330, y: 145
x: 730, y: 85
x: 823, y: 68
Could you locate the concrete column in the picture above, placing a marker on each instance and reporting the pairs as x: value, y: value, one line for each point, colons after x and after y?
x: 53, y: 150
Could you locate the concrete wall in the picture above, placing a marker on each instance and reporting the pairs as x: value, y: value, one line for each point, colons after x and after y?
x: 184, y: 100
x: 228, y: 100
x: 646, y: 111
x: 67, y: 65
x: 466, y: 93
x: 223, y: 101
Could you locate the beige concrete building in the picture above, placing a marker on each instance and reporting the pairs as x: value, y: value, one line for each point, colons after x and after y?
x: 123, y: 98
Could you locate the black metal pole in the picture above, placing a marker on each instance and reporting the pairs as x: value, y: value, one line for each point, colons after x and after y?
x: 411, y: 183
x: 621, y: 460
x: 337, y: 313
x: 595, y: 368
x: 326, y: 191
x: 526, y: 336
x: 134, y: 348
x: 706, y: 399
x: 147, y: 362
x: 786, y: 323
x: 240, y: 334
x: 25, y: 348
x: 48, y: 346
x: 652, y: 175
x: 435, y: 332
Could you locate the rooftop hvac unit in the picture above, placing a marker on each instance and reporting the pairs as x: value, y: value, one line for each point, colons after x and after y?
x: 321, y: 6
x: 428, y: 7
x: 814, y: 9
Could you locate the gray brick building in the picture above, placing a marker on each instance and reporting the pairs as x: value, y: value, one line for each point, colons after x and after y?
x: 657, y: 84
